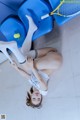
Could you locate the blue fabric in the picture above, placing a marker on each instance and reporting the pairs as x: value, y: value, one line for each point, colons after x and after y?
x: 13, y: 26
x: 5, y: 12
x: 14, y: 4
x: 36, y: 9
x: 2, y: 37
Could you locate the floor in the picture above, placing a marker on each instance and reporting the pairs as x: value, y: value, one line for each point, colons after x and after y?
x: 63, y: 99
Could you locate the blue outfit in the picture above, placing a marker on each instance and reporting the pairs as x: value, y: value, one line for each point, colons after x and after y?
x: 13, y: 22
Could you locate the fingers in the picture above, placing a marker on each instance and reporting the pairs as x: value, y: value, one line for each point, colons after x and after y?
x: 14, y: 64
x: 30, y: 59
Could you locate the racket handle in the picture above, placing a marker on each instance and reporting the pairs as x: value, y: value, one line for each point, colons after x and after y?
x: 45, y: 16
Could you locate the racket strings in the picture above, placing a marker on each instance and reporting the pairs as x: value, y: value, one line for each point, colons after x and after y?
x: 71, y: 1
x: 57, y: 8
x: 68, y: 9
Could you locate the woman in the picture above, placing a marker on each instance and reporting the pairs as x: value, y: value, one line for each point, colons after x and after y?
x: 38, y: 67
x: 45, y: 61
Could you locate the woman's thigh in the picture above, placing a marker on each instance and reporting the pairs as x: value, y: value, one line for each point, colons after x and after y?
x: 50, y: 61
x: 48, y: 71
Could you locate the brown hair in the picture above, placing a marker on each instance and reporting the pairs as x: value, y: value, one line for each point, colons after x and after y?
x: 29, y: 102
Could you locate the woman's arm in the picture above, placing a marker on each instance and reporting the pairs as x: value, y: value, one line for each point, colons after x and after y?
x: 21, y: 71
x: 42, y: 83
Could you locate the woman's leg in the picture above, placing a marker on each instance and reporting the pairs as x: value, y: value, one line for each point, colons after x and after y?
x: 51, y: 61
x: 40, y: 52
x: 44, y: 51
x: 48, y: 71
x: 28, y: 40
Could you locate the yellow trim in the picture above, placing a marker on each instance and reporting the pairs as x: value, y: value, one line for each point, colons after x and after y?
x: 17, y: 35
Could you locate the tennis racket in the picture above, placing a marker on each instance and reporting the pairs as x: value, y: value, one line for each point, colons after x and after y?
x: 66, y: 8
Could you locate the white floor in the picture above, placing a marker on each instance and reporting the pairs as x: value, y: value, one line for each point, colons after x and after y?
x: 63, y: 99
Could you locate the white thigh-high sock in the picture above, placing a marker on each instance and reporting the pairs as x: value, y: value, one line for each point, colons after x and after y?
x: 28, y: 40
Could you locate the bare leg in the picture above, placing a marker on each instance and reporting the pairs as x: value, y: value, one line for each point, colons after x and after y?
x: 51, y: 61
x: 44, y: 51
x: 48, y: 72
x: 40, y: 52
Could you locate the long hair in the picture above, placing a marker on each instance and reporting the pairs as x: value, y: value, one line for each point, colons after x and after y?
x: 29, y: 102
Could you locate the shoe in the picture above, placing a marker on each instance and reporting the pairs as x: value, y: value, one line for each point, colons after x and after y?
x: 12, y: 46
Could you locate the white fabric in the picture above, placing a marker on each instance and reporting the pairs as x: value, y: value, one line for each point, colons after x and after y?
x: 33, y: 80
x: 28, y: 40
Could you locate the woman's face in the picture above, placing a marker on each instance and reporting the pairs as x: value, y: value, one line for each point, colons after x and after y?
x: 36, y: 97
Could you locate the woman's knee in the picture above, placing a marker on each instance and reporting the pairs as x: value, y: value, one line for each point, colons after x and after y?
x: 56, y: 59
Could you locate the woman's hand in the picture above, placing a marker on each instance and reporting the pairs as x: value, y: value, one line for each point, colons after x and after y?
x: 21, y: 71
x: 14, y: 65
